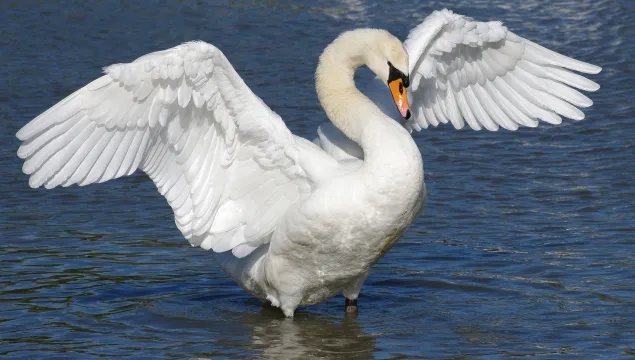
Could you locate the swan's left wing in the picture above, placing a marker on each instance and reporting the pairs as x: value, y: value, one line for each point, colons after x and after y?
x: 226, y: 163
x: 484, y: 74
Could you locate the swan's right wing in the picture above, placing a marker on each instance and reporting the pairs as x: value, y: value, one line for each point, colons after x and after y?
x: 226, y: 163
x: 484, y: 74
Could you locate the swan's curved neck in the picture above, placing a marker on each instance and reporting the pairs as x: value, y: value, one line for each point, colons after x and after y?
x: 344, y: 105
x: 347, y: 108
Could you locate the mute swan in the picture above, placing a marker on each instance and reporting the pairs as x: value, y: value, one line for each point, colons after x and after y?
x: 291, y: 221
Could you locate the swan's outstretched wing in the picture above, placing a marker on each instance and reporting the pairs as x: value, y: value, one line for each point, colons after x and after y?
x: 225, y: 162
x: 482, y: 73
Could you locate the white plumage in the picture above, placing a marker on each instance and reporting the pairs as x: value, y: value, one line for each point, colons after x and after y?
x: 187, y: 120
x: 481, y: 73
x: 292, y: 221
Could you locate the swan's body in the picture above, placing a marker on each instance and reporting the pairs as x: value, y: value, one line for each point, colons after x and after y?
x: 291, y: 221
x: 356, y: 210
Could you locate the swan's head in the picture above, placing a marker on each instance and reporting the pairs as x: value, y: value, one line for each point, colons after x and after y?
x: 388, y: 59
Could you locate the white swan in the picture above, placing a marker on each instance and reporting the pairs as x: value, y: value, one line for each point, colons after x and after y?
x: 292, y: 222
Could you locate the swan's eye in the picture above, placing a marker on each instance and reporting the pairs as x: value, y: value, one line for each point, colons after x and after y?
x: 394, y: 74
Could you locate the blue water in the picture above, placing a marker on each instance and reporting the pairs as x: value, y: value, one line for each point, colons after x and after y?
x: 526, y: 247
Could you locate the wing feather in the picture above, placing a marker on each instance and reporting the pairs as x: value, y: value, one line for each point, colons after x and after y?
x: 483, y: 74
x: 186, y: 119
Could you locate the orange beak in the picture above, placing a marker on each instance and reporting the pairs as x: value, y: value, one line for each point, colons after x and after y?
x: 398, y: 91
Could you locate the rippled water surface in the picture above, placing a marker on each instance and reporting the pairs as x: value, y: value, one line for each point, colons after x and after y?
x: 526, y: 247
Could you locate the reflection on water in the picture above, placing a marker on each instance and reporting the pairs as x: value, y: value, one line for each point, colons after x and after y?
x: 258, y: 329
x: 306, y: 337
x: 525, y: 247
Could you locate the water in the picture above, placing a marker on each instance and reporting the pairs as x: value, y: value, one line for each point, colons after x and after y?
x: 525, y: 248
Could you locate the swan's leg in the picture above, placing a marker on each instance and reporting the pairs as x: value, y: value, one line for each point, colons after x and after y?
x: 351, y: 308
x: 351, y: 292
